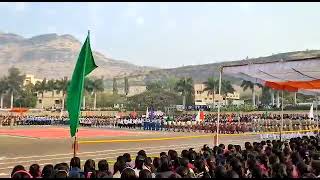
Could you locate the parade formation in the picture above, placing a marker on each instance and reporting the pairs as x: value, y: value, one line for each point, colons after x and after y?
x: 229, y: 123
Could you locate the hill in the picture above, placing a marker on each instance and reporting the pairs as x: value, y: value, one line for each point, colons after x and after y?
x: 54, y: 56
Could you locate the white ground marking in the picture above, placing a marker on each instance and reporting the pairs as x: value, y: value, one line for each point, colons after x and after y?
x: 110, y: 152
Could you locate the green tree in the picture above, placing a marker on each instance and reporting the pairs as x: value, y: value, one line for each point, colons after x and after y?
x: 249, y: 85
x: 88, y: 89
x: 108, y: 100
x: 114, y: 86
x: 126, y: 85
x: 15, y: 82
x: 226, y: 87
x: 3, y: 89
x: 97, y: 86
x: 51, y: 86
x: 169, y: 83
x: 62, y: 86
x: 185, y: 86
x: 151, y: 86
x: 41, y: 87
x: 211, y: 86
x: 159, y: 99
x: 266, y: 95
x: 27, y: 97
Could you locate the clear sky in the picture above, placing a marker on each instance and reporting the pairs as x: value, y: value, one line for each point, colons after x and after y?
x: 173, y: 34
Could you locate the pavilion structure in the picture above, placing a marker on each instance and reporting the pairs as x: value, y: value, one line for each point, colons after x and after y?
x: 293, y: 75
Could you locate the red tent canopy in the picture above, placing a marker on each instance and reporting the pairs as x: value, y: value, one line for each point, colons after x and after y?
x: 19, y: 110
x: 289, y: 75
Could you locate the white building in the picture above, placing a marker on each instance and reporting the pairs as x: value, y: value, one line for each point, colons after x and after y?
x: 205, y: 98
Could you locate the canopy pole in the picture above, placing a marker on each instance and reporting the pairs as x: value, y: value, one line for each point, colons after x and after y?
x: 281, y: 128
x: 219, y: 104
x: 317, y: 114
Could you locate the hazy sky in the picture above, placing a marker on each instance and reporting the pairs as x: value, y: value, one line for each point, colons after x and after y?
x: 173, y: 34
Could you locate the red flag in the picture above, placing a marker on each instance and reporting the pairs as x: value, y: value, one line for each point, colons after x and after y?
x: 202, y: 115
x: 230, y: 119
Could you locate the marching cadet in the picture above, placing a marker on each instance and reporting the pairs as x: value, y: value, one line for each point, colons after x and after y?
x: 189, y: 126
x: 169, y: 125
x: 174, y: 126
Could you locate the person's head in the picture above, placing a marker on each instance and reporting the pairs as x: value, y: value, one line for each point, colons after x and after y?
x: 156, y: 162
x: 34, y: 170
x: 163, y: 154
x: 231, y: 147
x: 145, y: 173
x: 103, y: 165
x: 192, y: 157
x: 128, y: 173
x: 256, y: 173
x: 184, y: 162
x: 222, y: 146
x: 75, y: 162
x: 303, y: 168
x: 183, y: 172
x: 89, y: 166
x: 139, y: 161
x: 184, y: 153
x: 61, y: 174
x: 21, y: 174
x: 119, y: 166
x: 165, y: 164
x: 274, y: 159
x: 127, y: 157
x: 232, y: 174
x: 121, y: 158
x: 17, y: 168
x: 149, y: 164
x: 173, y: 155
x: 65, y: 166
x: 237, y: 148
x: 142, y: 153
x: 47, y: 171
x: 220, y: 172
x: 236, y: 166
x: 220, y: 151
x: 264, y: 159
x: 279, y: 171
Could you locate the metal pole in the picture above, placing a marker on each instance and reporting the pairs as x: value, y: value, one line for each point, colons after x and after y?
x: 317, y: 115
x: 281, y: 128
x: 75, y: 145
x: 219, y: 104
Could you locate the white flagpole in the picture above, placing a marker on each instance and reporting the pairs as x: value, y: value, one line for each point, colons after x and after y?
x: 219, y: 104
x: 281, y: 128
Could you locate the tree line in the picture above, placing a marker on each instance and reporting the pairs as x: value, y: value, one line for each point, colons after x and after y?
x: 25, y: 95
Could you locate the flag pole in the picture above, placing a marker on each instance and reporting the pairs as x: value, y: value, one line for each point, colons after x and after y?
x: 75, y: 145
x: 281, y: 115
x: 217, y: 133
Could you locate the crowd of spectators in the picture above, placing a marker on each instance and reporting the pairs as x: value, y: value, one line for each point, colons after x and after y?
x: 296, y: 158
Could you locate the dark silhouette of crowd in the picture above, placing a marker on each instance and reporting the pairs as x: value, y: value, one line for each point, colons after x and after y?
x: 296, y: 158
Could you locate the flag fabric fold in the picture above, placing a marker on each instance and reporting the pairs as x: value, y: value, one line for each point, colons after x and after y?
x: 84, y: 66
x: 311, y: 112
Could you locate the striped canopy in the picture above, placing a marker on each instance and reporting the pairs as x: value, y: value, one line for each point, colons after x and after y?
x: 291, y: 75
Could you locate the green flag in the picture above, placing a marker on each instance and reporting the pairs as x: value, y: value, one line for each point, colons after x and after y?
x: 85, y: 64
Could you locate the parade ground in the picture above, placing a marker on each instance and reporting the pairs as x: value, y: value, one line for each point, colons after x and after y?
x: 53, y: 144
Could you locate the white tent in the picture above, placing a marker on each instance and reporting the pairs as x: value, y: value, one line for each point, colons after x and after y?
x: 286, y: 75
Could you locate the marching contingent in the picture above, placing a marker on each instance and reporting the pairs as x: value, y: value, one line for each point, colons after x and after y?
x: 229, y: 123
